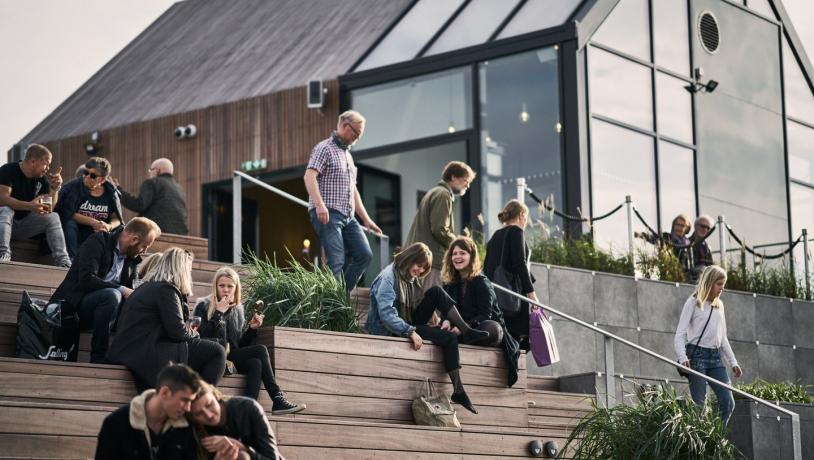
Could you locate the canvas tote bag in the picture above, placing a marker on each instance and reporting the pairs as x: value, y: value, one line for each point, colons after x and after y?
x: 432, y: 408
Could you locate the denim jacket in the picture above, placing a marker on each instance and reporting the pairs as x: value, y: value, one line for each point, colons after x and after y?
x: 383, y: 315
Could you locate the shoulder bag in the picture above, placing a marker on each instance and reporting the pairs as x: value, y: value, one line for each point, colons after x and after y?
x: 431, y: 408
x: 502, y: 277
x: 681, y: 371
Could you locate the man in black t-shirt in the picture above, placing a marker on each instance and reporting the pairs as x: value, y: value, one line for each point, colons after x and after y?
x: 28, y: 195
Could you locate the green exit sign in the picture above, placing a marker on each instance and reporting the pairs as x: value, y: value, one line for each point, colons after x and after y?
x: 254, y: 165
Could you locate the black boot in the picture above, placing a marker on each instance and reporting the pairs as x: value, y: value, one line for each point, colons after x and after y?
x: 463, y: 399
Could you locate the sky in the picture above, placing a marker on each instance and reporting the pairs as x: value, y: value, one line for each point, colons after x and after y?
x: 49, y: 48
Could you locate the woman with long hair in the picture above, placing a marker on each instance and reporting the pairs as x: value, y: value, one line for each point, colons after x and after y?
x: 399, y: 306
x: 475, y: 298
x: 508, y: 248
x: 153, y: 329
x: 223, y: 320
x: 226, y: 427
x: 700, y: 340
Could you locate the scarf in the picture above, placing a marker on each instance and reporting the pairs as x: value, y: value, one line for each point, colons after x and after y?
x: 409, y: 293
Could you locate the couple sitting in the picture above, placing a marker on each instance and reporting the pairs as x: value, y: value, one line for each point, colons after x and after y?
x: 467, y: 303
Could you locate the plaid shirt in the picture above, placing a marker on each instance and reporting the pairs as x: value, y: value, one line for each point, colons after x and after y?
x: 337, y: 175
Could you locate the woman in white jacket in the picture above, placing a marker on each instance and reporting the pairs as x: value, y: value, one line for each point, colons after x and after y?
x: 700, y: 340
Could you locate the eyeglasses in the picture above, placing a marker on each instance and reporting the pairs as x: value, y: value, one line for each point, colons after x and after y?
x: 152, y: 169
x: 93, y: 176
x: 358, y: 135
x: 704, y: 226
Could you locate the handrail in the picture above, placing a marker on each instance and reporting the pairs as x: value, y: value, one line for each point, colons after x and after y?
x: 237, y: 246
x: 795, y: 418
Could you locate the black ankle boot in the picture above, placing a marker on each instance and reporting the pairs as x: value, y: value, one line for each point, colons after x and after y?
x: 463, y: 399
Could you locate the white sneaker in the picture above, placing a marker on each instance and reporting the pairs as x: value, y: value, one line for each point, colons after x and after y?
x: 5, y: 257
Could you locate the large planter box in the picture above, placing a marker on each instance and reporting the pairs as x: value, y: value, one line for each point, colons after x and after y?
x: 757, y: 433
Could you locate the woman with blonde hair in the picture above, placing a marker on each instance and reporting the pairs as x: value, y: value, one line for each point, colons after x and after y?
x: 223, y: 320
x: 700, y: 340
x: 153, y: 329
x: 475, y: 297
x: 399, y: 306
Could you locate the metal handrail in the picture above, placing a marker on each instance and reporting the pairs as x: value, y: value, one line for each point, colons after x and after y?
x: 609, y: 383
x: 237, y: 245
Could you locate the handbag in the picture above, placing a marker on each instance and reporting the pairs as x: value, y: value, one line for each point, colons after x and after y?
x: 431, y: 408
x: 502, y: 277
x: 46, y: 331
x: 541, y: 338
x: 681, y: 370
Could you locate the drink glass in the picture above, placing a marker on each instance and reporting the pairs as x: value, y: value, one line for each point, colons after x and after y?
x: 47, y: 201
x: 194, y: 322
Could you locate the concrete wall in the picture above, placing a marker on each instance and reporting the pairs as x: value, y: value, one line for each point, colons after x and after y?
x: 771, y: 336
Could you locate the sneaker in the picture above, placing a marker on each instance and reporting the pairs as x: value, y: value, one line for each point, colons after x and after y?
x: 463, y: 399
x: 283, y: 406
x: 5, y: 257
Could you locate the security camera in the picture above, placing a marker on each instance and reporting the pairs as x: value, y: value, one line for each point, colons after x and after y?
x: 180, y: 132
x: 190, y: 131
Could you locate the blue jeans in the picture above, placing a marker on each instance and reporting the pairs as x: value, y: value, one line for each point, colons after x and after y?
x: 97, y: 310
x: 75, y: 235
x: 708, y: 361
x: 345, y: 246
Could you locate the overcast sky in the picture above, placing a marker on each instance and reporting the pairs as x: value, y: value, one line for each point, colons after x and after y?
x: 48, y: 48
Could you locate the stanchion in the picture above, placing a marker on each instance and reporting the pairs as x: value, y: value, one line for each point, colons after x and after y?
x: 722, y: 239
x: 237, y: 217
x: 521, y: 189
x: 629, y: 205
x: 805, y: 258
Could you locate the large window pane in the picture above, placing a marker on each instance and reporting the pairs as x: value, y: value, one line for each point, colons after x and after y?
x: 801, y: 152
x: 671, y: 43
x: 799, y: 99
x: 411, y: 33
x: 519, y: 121
x: 627, y: 29
x: 620, y: 89
x: 802, y: 216
x: 622, y: 163
x: 801, y: 12
x: 418, y: 107
x: 539, y: 15
x: 674, y: 105
x: 676, y: 182
x: 761, y: 6
x: 474, y: 25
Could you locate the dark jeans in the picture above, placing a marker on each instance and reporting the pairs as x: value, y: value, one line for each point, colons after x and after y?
x: 437, y: 298
x: 254, y: 361
x: 96, y: 312
x: 708, y: 361
x: 345, y: 246
x: 208, y: 358
x: 75, y: 235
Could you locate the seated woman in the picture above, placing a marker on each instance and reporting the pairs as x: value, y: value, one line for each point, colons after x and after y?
x: 224, y: 321
x: 473, y: 294
x: 398, y: 306
x: 231, y: 427
x: 153, y: 329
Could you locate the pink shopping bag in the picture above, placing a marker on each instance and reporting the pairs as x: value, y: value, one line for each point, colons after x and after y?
x: 541, y: 338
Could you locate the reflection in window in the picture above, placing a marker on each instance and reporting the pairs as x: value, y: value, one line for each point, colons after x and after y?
x: 520, y: 123
x: 671, y: 43
x: 676, y: 182
x: 473, y: 26
x: 674, y: 105
x: 799, y: 100
x: 411, y: 33
x: 622, y: 163
x: 620, y: 89
x: 801, y: 12
x: 801, y: 152
x: 802, y: 215
x: 627, y: 29
x: 538, y: 15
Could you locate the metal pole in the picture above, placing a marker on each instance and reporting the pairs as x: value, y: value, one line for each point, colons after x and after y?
x: 237, y: 218
x: 629, y: 206
x: 722, y: 240
x: 610, y: 384
x: 805, y: 259
x: 384, y: 250
x: 521, y: 189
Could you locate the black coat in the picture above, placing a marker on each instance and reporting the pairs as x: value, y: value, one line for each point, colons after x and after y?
x: 224, y: 328
x: 478, y: 303
x: 152, y: 331
x: 87, y: 274
x: 246, y: 422
x: 163, y: 201
x: 118, y: 440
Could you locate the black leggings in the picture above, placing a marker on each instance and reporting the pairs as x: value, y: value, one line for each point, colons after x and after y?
x: 254, y: 361
x: 437, y: 298
x: 208, y: 358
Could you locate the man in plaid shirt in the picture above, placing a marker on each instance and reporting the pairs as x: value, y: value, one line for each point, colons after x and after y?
x: 330, y: 179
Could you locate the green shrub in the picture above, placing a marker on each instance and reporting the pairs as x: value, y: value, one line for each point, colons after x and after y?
x: 299, y: 296
x: 784, y: 391
x: 660, y: 425
x: 764, y: 280
x: 578, y: 253
x: 661, y: 263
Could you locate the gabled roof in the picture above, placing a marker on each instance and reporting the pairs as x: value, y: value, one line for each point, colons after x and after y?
x: 201, y: 53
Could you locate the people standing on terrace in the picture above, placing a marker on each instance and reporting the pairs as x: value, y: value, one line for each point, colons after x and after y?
x: 399, y: 306
x: 28, y: 194
x: 160, y: 198
x: 333, y: 200
x: 475, y: 299
x: 88, y: 204
x: 223, y: 320
x: 701, y: 340
x: 701, y: 253
x: 434, y: 219
x: 676, y: 240
x: 508, y: 248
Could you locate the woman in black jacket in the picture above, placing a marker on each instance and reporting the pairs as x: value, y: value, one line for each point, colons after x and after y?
x: 475, y: 298
x: 508, y: 248
x: 153, y: 329
x: 223, y: 320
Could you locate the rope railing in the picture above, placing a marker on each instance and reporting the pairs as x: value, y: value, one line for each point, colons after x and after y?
x: 757, y: 254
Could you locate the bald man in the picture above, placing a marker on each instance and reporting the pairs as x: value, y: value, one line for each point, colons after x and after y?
x: 160, y: 199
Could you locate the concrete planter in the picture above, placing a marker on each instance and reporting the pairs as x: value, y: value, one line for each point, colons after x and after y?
x: 757, y: 433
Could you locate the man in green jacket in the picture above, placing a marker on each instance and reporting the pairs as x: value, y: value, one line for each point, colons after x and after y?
x: 433, y: 222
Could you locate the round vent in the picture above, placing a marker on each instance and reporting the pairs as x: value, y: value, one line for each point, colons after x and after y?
x: 708, y: 32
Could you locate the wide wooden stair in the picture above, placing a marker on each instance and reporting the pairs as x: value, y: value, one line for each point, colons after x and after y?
x: 358, y: 389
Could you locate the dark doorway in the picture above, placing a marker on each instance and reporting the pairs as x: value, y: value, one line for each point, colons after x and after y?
x: 219, y: 225
x: 381, y: 195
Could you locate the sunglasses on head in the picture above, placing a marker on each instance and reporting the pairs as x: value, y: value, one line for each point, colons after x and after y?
x: 93, y: 176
